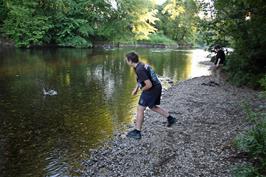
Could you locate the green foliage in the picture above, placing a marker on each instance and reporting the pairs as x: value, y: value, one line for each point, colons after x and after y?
x: 263, y: 82
x: 241, y: 24
x: 73, y: 32
x: 24, y: 27
x: 246, y: 171
x: 236, y: 72
x: 72, y: 27
x: 3, y: 11
x: 159, y: 38
x: 253, y: 142
x: 74, y: 23
x: 178, y: 21
x: 140, y: 17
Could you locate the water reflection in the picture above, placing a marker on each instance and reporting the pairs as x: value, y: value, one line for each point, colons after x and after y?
x: 50, y: 136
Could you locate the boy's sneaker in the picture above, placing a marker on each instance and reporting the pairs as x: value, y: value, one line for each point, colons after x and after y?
x: 170, y: 121
x: 134, y: 134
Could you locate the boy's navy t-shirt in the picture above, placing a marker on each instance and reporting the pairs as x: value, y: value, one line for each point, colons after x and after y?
x: 152, y: 97
x: 221, y: 55
x: 143, y: 74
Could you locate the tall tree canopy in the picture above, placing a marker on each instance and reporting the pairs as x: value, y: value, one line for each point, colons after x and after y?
x: 178, y: 20
x: 79, y: 23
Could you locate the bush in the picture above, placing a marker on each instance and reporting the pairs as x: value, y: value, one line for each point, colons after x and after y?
x: 242, y: 71
x: 253, y: 142
x: 24, y: 28
x: 72, y: 32
x: 263, y: 84
x: 245, y: 171
x: 3, y: 11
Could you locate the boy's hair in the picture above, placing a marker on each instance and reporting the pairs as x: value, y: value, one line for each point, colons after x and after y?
x: 217, y: 46
x: 133, y: 57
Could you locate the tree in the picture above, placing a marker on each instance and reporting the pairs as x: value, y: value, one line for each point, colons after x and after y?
x: 73, y: 23
x: 178, y: 19
x: 140, y: 16
x: 241, y: 23
x: 23, y: 24
x: 3, y: 11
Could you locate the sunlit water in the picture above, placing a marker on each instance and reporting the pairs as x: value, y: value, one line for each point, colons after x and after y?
x: 51, y: 135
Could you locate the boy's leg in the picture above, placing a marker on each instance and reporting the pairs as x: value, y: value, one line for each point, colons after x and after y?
x: 214, y: 73
x: 136, y: 133
x: 161, y: 111
x: 170, y: 120
x: 219, y: 74
x: 140, y: 117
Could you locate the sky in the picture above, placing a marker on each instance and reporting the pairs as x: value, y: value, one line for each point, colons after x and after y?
x: 160, y: 2
x: 113, y: 2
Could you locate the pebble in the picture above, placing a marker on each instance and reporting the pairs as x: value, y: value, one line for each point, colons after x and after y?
x: 198, y: 145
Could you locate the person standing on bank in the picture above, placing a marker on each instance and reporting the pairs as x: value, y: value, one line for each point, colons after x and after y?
x: 149, y: 84
x: 219, y: 62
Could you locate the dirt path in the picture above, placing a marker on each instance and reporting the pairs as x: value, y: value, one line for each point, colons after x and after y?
x: 200, y: 144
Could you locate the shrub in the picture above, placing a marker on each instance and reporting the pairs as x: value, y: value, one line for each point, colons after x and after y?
x: 245, y: 171
x: 24, y: 28
x: 262, y: 82
x: 253, y: 142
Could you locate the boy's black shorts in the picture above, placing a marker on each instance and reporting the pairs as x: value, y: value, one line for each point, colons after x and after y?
x: 151, y: 97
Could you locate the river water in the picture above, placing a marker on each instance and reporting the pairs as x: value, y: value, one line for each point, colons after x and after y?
x: 51, y: 135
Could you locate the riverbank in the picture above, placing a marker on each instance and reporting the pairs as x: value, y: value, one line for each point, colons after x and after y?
x: 200, y: 144
x: 6, y: 43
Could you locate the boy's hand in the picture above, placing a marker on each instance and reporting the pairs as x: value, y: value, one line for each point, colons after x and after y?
x: 135, y: 91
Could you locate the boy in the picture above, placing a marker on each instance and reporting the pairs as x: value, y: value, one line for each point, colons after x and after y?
x: 150, y: 97
x: 219, y: 62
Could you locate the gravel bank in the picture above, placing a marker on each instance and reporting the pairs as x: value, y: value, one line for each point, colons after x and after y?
x: 200, y: 144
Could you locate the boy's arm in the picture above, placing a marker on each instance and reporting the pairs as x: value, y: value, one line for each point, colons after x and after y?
x: 218, y: 62
x: 219, y: 56
x: 135, y: 90
x: 147, y: 86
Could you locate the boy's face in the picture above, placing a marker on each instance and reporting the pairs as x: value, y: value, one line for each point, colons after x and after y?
x: 128, y: 62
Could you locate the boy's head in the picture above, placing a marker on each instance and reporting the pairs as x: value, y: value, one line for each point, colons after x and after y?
x: 132, y: 57
x: 217, y: 47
